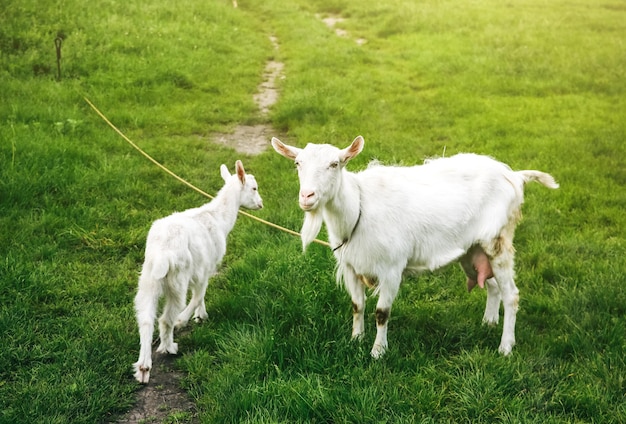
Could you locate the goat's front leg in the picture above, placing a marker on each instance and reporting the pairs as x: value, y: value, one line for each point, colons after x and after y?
x: 173, y: 305
x: 200, y: 314
x: 196, y: 305
x: 357, y: 293
x: 388, y: 290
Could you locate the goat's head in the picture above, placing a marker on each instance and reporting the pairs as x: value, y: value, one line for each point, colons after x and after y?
x: 250, y: 197
x: 319, y: 169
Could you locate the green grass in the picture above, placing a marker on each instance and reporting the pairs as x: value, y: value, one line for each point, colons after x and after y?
x: 539, y: 85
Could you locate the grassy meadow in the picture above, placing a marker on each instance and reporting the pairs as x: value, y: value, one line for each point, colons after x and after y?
x: 536, y: 84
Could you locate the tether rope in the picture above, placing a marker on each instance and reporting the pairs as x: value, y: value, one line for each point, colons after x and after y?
x: 188, y: 184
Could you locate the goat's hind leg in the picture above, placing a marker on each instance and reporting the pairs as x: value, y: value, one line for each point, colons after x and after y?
x: 504, y: 274
x: 175, y: 302
x: 492, y: 306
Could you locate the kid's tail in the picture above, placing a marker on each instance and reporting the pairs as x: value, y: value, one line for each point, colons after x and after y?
x: 160, y: 266
x: 541, y: 177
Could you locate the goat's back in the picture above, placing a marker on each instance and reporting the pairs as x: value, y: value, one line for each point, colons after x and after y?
x: 432, y: 213
x: 185, y: 242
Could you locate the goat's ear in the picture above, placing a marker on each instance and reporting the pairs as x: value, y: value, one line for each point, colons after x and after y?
x: 287, y: 151
x: 224, y: 172
x: 241, y: 173
x: 352, y: 150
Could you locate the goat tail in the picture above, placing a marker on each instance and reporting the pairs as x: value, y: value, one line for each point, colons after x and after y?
x: 146, y: 303
x: 160, y: 266
x: 541, y: 177
x: 146, y: 300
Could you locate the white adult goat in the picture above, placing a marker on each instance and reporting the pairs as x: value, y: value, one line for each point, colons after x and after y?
x: 386, y: 220
x: 183, y: 251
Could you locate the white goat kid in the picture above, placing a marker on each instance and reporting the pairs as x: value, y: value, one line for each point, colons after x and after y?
x: 183, y: 251
x: 385, y: 221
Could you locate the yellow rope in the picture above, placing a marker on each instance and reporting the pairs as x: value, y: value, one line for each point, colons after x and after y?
x: 188, y: 184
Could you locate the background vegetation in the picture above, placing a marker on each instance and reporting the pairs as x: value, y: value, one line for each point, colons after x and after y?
x: 536, y: 84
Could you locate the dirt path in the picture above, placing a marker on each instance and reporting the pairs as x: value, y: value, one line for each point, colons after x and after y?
x: 162, y: 399
x: 254, y: 139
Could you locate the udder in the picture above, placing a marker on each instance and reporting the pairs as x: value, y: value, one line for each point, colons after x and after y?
x: 476, y: 265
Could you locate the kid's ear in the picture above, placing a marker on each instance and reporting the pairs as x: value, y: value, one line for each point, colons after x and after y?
x: 241, y: 173
x: 289, y: 152
x: 224, y: 172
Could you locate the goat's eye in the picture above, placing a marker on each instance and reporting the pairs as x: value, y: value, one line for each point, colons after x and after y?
x: 297, y: 164
x: 333, y: 165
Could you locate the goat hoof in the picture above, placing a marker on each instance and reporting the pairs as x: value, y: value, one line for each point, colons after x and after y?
x: 491, y: 322
x: 171, y: 349
x: 142, y: 374
x: 506, y: 348
x: 357, y: 337
x: 199, y: 319
x: 378, y: 351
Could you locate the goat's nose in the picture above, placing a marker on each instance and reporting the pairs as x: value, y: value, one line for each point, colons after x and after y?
x: 307, y: 194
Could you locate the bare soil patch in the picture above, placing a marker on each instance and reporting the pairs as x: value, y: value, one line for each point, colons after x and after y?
x: 162, y: 400
x: 249, y: 139
x: 332, y: 20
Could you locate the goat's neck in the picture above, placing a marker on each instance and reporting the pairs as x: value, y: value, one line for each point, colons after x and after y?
x: 224, y: 207
x: 342, y: 212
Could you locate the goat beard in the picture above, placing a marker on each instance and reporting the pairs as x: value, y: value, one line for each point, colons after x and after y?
x: 310, y: 228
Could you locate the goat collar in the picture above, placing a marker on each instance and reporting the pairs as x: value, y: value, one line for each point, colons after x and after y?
x: 347, y: 239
